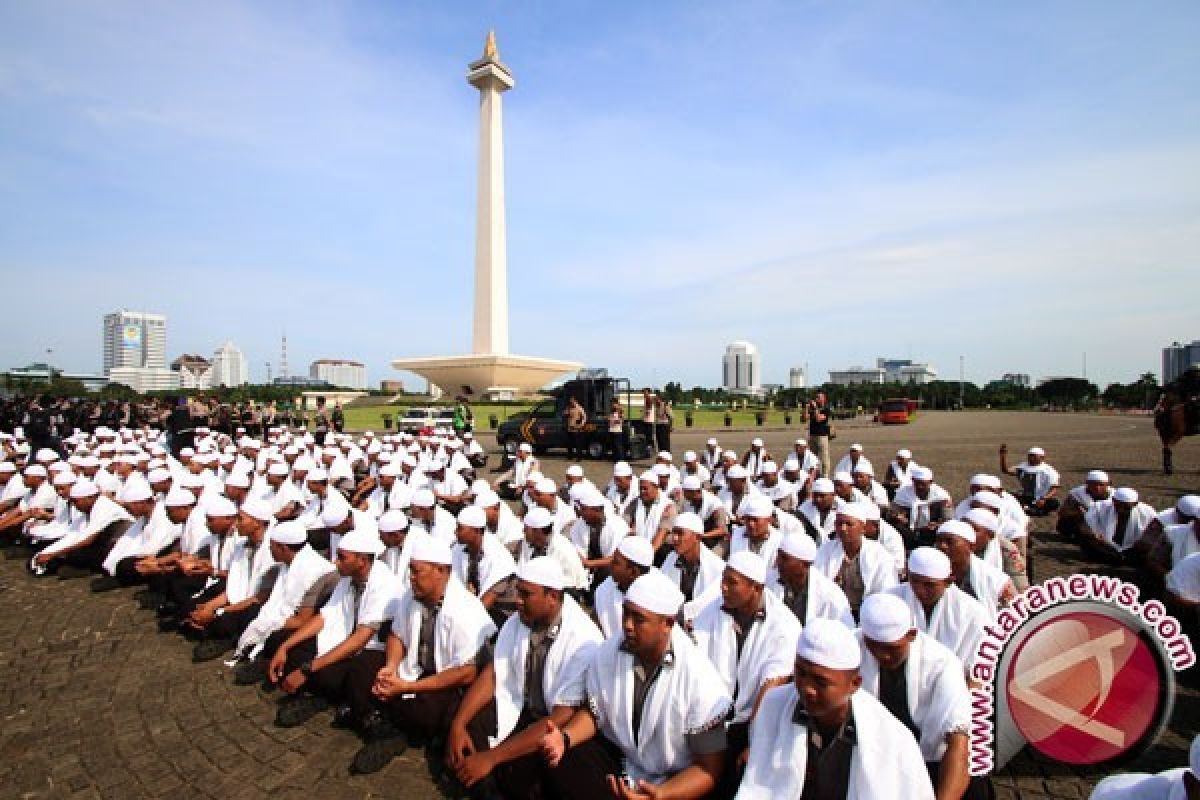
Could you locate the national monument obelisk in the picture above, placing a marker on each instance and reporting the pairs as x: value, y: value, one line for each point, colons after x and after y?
x: 490, y: 370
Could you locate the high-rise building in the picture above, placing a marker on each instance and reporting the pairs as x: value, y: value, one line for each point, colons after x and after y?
x: 796, y: 378
x: 134, y: 339
x: 195, y: 372
x: 855, y: 375
x: 742, y: 369
x: 1178, y: 359
x: 339, y: 372
x: 229, y: 366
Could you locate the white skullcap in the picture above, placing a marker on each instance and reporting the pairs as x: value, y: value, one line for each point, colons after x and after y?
x: 922, y: 474
x: 1036, y: 451
x: 791, y: 464
x: 802, y: 442
x: 665, y: 454
x: 662, y: 471
x: 857, y: 511
x: 472, y: 517
x: 367, y: 541
x: 691, y: 483
x: 843, y: 477
x: 574, y: 471
x: 65, y: 478
x: 799, y: 544
x: 864, y: 467
x: 822, y: 486
x: 393, y: 521
x: 35, y: 471
x: 7, y: 466
x: 239, y: 480
x: 45, y: 455
x: 730, y: 454
x: 525, y: 447
x: 431, y: 551
x: 655, y: 593
x: 689, y: 456
x: 737, y: 471
x: 1097, y: 476
x: 903, y: 453
x: 334, y: 515
x: 591, y: 497
x: 857, y: 447
x: 218, y: 505
x: 885, y: 618
x: 830, y: 644
x: 1188, y: 505
x: 637, y: 549
x: 929, y: 562
x: 390, y: 470
x: 135, y: 491
x: 649, y: 476
x: 538, y: 517
x: 622, y: 470
x: 258, y: 508
x: 986, y: 481
x: 544, y: 571
x: 756, y: 442
x: 769, y: 468
x: 989, y: 499
x: 749, y: 564
x: 712, y: 441
x: 423, y: 498
x: 179, y: 497
x: 1125, y: 495
x: 317, y: 474
x: 757, y: 505
x: 159, y: 475
x: 487, y: 498
x: 546, y: 486
x: 689, y: 521
x: 957, y: 528
x: 290, y: 532
x: 982, y: 517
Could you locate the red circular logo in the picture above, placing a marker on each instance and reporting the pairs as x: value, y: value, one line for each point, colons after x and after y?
x: 1084, y: 688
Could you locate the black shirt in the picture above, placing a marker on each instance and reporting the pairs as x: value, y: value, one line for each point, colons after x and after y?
x: 815, y: 427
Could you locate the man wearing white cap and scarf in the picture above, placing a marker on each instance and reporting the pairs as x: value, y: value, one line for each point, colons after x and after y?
x: 434, y: 654
x: 992, y: 545
x: 757, y: 533
x: 501, y: 521
x: 426, y: 515
x: 204, y: 572
x: 285, y: 497
x: 749, y: 636
x: 541, y: 540
x: 1095, y: 488
x: 990, y: 586
x: 822, y: 737
x: 807, y: 465
x: 939, y: 608
x: 512, y: 482
x: 652, y: 515
x: 1184, y: 540
x: 819, y: 513
x: 1039, y: 481
x: 899, y: 472
x: 691, y: 566
x: 852, y: 460
x: 781, y: 492
x: 653, y: 694
x: 922, y: 684
x: 858, y: 565
x: 481, y: 563
x: 806, y: 592
x: 919, y: 508
x: 712, y: 512
x: 151, y: 533
x: 710, y: 456
x: 632, y: 559
x: 620, y: 491
x: 754, y: 458
x: 82, y: 551
x: 737, y: 487
x: 596, y: 533
x: 536, y: 673
x: 546, y: 496
x: 317, y: 664
x: 1179, y: 783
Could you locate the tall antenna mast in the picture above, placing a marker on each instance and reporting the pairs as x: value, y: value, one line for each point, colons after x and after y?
x: 283, y: 365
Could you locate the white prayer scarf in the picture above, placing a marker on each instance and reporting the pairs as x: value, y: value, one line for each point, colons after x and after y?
x: 459, y: 632
x: 708, y: 579
x: 495, y: 564
x: 956, y: 621
x: 374, y: 608
x: 826, y: 600
x: 874, y: 563
x: 291, y: 584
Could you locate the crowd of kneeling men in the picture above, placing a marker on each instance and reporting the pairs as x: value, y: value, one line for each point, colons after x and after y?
x: 737, y: 625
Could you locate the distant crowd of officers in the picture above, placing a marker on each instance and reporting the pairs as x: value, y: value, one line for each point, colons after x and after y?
x: 737, y: 624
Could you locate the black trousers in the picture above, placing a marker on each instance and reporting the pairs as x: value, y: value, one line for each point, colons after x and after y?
x: 424, y: 716
x: 737, y: 737
x: 663, y: 433
x: 231, y: 624
x: 348, y: 681
x: 583, y: 772
x: 521, y: 779
x: 616, y: 445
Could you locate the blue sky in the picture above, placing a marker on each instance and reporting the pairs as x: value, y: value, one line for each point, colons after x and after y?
x: 1016, y: 183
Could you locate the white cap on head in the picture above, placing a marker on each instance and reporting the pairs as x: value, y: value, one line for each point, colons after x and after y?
x: 691, y: 483
x: 546, y: 486
x: 929, y: 562
x: 662, y: 471
x: 622, y: 470
x: 1188, y: 505
x: 857, y: 511
x: 712, y: 441
x: 64, y: 478
x: 218, y: 505
x: 289, y: 532
x: 922, y: 474
x: 1097, y: 476
x: 903, y: 453
x: 366, y: 541
x: 799, y: 544
x: 574, y: 471
x: 35, y: 471
x: 737, y: 471
x: 957, y: 528
x: 655, y: 593
x: 423, y: 498
x: 984, y: 518
x: 985, y: 481
x: 801, y: 442
x: 317, y: 474
x: 637, y: 549
x: 758, y: 506
x: 334, y: 515
x: 393, y: 521
x: 649, y: 476
x: 689, y: 456
x: 769, y: 468
x: 756, y: 442
x: 135, y: 491
x: 1125, y: 495
x: 590, y: 497
x: 486, y: 499
x: 525, y: 447
x: 843, y: 477
x: 159, y: 475
x: 856, y: 447
x: 885, y: 618
x: 749, y: 564
x: 689, y: 521
x: 279, y: 469
x: 873, y: 512
x: 822, y: 486
x: 7, y: 467
x: 472, y: 517
x: 538, y: 517
x: 665, y: 455
x: 864, y: 467
x: 730, y: 454
x: 544, y: 571
x: 1036, y: 451
x: 258, y: 508
x: 988, y: 499
x: 830, y: 644
x: 179, y: 497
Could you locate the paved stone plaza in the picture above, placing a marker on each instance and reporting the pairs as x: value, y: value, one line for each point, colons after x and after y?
x: 95, y: 703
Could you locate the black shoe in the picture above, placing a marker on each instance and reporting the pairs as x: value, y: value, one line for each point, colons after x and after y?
x: 208, y: 649
x: 68, y: 571
x: 105, y: 583
x: 167, y: 609
x: 168, y: 625
x: 250, y: 672
x: 377, y: 753
x: 343, y: 717
x: 297, y: 710
x: 149, y: 600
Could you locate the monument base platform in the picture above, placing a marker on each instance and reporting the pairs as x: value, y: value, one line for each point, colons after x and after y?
x: 487, y: 376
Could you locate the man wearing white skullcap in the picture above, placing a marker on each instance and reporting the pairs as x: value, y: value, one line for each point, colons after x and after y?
x: 710, y: 456
x: 990, y: 586
x: 692, y: 567
x: 805, y: 591
x: 501, y: 521
x: 821, y: 736
x: 858, y: 565
x: 652, y: 515
x: 736, y: 488
x: 757, y: 533
x: 653, y: 694
x: 1183, y: 540
x: 919, y: 508
x: 871, y: 489
x: 750, y: 636
x: 81, y: 551
x: 512, y: 482
x: 535, y: 674
x: 50, y: 524
x: 204, y: 569
x: 781, y: 491
x: 720, y: 473
x: 818, y: 513
x: 151, y: 534
x: 939, y: 608
x: 693, y: 466
x: 712, y: 512
x: 596, y: 533
x: 922, y: 684
x: 481, y: 562
x: 754, y: 458
x: 1039, y: 481
x: 427, y: 516
x: 621, y: 491
x: 545, y: 494
x: 434, y: 654
x: 899, y: 472
x: 1095, y: 488
x: 541, y: 540
x: 852, y: 460
x: 632, y: 559
x: 285, y: 497
x: 808, y: 468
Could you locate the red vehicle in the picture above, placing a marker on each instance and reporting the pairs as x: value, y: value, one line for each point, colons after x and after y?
x: 897, y: 411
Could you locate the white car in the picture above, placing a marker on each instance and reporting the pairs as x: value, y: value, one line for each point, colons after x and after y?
x: 419, y: 418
